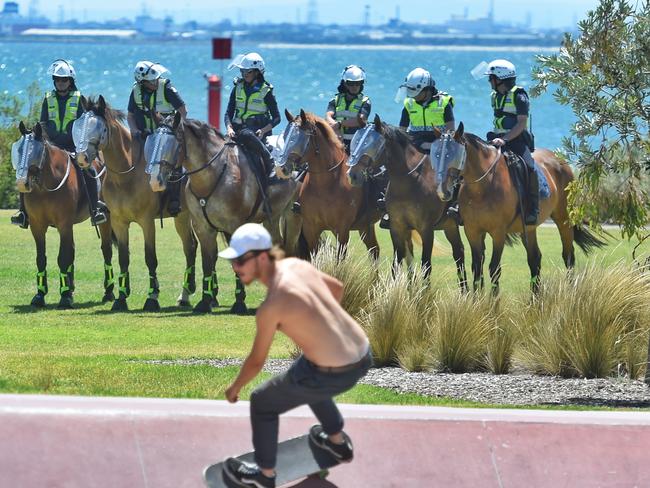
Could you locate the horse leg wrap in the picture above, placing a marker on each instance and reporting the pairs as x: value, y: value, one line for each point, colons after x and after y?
x: 186, y: 278
x: 41, y: 282
x: 124, y: 284
x: 109, y: 277
x: 215, y: 285
x: 207, y: 287
x: 65, y: 283
x: 154, y: 287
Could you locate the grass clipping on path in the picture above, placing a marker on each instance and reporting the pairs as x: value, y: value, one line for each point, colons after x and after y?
x: 592, y: 322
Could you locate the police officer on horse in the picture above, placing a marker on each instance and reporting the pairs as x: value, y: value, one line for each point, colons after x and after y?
x: 60, y: 108
x: 153, y: 98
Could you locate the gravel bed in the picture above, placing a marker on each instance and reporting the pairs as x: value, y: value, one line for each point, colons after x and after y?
x: 511, y: 389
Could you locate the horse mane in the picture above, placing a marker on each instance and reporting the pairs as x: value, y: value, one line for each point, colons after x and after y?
x: 201, y: 129
x: 396, y: 134
x: 477, y: 143
x: 324, y: 128
x: 112, y: 115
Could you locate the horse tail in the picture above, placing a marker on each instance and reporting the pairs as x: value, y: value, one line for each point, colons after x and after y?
x: 586, y: 239
x: 415, y: 235
x: 512, y: 239
x: 113, y: 238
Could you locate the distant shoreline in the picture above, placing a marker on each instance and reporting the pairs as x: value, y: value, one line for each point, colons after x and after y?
x: 408, y: 47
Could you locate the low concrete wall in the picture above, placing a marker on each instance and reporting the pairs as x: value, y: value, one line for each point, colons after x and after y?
x: 70, y: 442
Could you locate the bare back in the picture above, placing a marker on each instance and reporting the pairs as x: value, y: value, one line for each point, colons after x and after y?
x: 302, y: 305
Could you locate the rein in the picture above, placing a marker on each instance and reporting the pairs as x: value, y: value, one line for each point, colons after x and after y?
x: 492, y: 166
x: 417, y: 167
x: 65, y: 177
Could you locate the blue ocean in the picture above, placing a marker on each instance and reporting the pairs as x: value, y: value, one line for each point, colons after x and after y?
x: 303, y: 76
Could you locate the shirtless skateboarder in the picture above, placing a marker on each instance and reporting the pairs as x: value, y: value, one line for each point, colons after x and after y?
x: 305, y: 305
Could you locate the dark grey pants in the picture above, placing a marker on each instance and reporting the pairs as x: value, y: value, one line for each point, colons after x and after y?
x: 301, y: 384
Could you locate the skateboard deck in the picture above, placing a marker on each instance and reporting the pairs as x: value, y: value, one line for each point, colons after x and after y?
x: 297, y: 459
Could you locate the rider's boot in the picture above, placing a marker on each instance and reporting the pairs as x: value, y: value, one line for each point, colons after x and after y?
x: 20, y: 218
x: 533, y: 197
x: 174, y: 193
x: 453, y: 211
x: 98, y: 210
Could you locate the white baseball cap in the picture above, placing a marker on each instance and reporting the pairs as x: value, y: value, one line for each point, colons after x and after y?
x: 248, y: 237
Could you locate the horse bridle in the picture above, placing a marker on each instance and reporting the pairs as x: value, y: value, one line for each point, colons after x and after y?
x: 305, y: 167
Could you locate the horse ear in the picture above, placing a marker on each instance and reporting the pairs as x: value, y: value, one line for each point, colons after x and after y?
x: 459, y: 132
x: 436, y: 133
x: 101, y: 104
x: 38, y: 130
x: 21, y: 127
x: 378, y: 126
x: 84, y: 103
x: 361, y: 120
x: 289, y: 116
x: 303, y: 116
x: 177, y: 121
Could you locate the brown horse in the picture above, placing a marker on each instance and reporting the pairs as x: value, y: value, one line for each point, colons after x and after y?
x: 54, y: 197
x: 222, y: 192
x: 327, y: 199
x: 411, y: 198
x: 129, y: 198
x: 489, y: 202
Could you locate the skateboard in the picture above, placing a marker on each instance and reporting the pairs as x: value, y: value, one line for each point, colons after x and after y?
x: 297, y: 458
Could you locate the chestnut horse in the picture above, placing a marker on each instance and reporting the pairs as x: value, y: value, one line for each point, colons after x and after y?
x: 54, y: 197
x: 327, y: 199
x: 129, y: 198
x: 222, y: 192
x: 489, y: 202
x: 411, y: 198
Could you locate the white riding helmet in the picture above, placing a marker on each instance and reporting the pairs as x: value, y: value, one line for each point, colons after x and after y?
x: 62, y: 69
x: 248, y: 61
x: 148, y: 71
x: 416, y: 81
x: 353, y: 73
x: 502, y: 69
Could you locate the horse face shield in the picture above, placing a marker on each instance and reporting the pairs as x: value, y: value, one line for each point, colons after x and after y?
x: 27, y: 159
x: 448, y: 159
x: 160, y: 153
x: 290, y: 148
x: 367, y: 145
x: 89, y: 132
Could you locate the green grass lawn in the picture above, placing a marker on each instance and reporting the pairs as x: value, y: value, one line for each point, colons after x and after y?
x: 92, y: 351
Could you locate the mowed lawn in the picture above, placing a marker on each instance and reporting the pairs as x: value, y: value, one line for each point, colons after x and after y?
x: 93, y: 351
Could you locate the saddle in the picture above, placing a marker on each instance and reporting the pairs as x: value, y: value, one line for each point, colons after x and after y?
x: 519, y: 175
x: 252, y: 150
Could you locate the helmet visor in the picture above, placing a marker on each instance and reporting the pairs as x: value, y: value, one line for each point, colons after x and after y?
x: 479, y: 71
x: 366, y: 142
x: 236, y: 62
x: 160, y: 146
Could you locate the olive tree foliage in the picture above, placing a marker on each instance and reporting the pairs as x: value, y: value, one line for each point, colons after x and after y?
x: 604, y: 75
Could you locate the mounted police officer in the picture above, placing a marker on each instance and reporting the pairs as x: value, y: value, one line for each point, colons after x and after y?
x: 252, y: 110
x: 350, y: 108
x: 153, y: 98
x: 60, y: 108
x: 425, y: 108
x: 511, y: 106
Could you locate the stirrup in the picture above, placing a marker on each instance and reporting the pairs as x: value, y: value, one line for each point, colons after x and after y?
x: 20, y: 219
x: 98, y: 217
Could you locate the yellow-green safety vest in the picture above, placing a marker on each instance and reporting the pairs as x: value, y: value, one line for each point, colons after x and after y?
x: 423, y: 119
x: 347, y: 111
x: 253, y: 104
x: 505, y: 110
x: 157, y: 103
x: 71, y: 106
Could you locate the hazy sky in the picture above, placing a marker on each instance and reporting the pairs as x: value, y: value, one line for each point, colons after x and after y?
x: 551, y: 13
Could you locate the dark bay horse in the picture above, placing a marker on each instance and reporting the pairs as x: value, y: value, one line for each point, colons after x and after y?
x: 489, y: 202
x: 411, y: 198
x: 328, y: 201
x: 222, y: 192
x: 55, y: 198
x: 129, y: 199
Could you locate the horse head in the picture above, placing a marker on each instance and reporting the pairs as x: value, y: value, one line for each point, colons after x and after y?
x: 448, y: 156
x: 161, y: 151
x: 28, y: 156
x: 366, y: 151
x: 90, y: 131
x: 292, y: 146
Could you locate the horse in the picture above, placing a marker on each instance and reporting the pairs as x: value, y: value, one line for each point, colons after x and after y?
x: 327, y: 199
x: 411, y: 199
x: 129, y: 199
x: 54, y: 197
x: 489, y: 203
x: 222, y: 189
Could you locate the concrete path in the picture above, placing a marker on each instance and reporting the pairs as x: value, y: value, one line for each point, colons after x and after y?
x: 70, y: 442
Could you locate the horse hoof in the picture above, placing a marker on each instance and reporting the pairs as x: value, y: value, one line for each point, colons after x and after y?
x: 65, y: 303
x: 239, y: 308
x: 109, y: 296
x: 38, y: 301
x: 202, y: 307
x: 183, y: 303
x: 214, y: 302
x: 151, y: 305
x: 120, y: 305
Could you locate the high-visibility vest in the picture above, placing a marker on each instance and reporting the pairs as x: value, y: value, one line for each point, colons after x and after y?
x: 347, y: 111
x: 157, y: 103
x: 71, y: 106
x: 505, y: 110
x: 423, y: 119
x: 249, y: 105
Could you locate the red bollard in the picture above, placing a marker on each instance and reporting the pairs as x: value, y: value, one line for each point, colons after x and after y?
x: 214, y: 100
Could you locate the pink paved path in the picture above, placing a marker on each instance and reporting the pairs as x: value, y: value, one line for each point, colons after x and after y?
x: 70, y: 442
